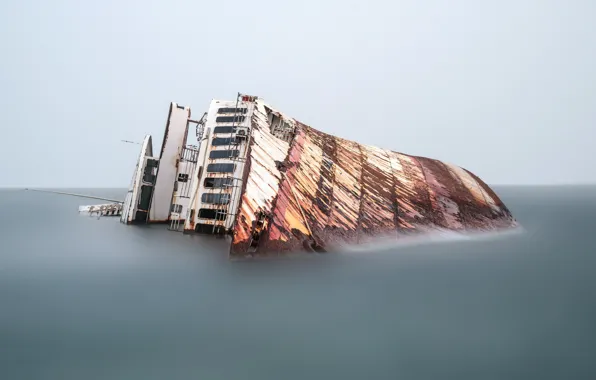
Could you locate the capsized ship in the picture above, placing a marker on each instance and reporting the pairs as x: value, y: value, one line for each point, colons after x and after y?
x: 278, y: 186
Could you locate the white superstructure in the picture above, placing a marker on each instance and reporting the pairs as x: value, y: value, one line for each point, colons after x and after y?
x: 174, y: 142
x: 219, y: 174
x: 194, y: 186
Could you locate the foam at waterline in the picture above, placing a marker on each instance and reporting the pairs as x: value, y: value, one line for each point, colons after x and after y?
x: 429, y: 238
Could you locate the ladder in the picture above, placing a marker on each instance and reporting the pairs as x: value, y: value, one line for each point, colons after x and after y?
x: 190, y: 156
x: 235, y: 140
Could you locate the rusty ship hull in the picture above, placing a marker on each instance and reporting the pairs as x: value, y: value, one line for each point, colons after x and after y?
x: 278, y: 186
x: 329, y: 192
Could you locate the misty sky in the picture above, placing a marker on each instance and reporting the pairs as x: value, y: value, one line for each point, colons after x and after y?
x: 506, y: 89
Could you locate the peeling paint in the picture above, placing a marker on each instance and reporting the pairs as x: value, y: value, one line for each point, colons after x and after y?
x: 332, y: 192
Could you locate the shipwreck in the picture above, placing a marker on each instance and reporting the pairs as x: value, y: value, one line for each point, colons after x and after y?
x: 275, y: 185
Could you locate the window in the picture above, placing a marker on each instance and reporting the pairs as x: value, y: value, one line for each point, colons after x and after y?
x: 210, y: 213
x: 209, y: 229
x: 230, y: 119
x: 152, y: 163
x: 150, y: 171
x: 148, y: 177
x: 176, y: 208
x: 223, y: 154
x: 219, y: 141
x: 229, y: 129
x: 217, y: 182
x: 216, y: 198
x: 145, y: 197
x: 220, y: 168
x: 231, y: 110
x: 183, y: 177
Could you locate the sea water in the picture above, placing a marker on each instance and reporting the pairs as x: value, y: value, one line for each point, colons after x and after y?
x: 88, y: 298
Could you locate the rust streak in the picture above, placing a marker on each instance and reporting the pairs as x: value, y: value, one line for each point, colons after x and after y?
x: 339, y: 192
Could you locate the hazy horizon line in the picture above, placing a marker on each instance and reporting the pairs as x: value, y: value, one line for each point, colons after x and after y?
x: 126, y: 188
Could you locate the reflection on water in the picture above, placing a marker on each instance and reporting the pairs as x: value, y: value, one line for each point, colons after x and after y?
x: 94, y: 299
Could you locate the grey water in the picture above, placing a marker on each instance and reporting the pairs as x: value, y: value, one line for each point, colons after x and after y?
x: 88, y: 298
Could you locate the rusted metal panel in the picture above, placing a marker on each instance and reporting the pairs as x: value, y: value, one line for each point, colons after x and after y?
x: 441, y: 189
x: 306, y: 183
x: 288, y: 224
x: 411, y: 190
x: 377, y: 211
x: 502, y: 217
x: 477, y: 208
x: 347, y: 191
x: 261, y: 178
x: 320, y: 192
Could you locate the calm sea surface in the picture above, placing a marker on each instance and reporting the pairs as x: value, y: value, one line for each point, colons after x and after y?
x: 82, y: 298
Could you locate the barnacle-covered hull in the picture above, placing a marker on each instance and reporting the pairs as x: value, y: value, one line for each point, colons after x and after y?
x: 317, y: 192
